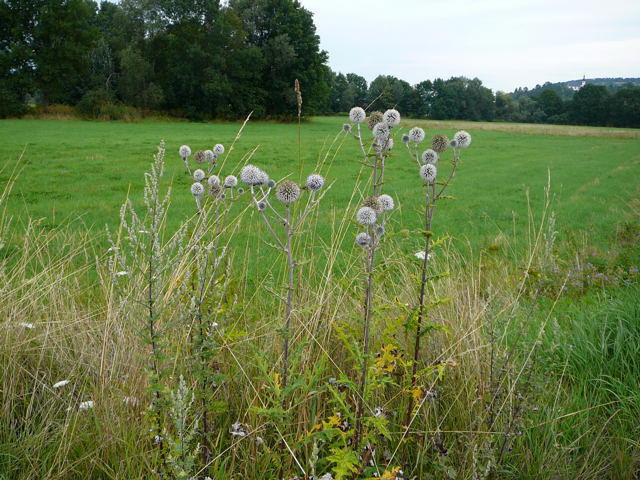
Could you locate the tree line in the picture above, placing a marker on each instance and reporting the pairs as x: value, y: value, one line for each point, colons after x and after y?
x: 203, y: 59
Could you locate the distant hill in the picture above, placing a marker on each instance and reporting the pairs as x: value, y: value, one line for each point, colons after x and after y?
x: 566, y: 89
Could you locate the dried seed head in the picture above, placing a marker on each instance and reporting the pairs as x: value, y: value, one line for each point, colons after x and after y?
x: 386, y: 201
x: 416, y: 134
x: 463, y: 139
x: 200, y: 156
x: 374, y: 119
x: 430, y: 156
x: 366, y: 216
x: 184, y: 151
x: 218, y: 149
x: 287, y: 191
x: 198, y: 175
x: 213, y: 180
x: 440, y: 143
x: 428, y: 172
x: 374, y: 203
x: 363, y: 239
x: 197, y: 189
x: 391, y: 117
x: 315, y: 182
x: 231, y: 181
x: 381, y: 131
x: 357, y: 115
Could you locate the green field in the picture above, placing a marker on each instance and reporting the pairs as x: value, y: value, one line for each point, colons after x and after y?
x: 83, y: 170
x: 539, y: 331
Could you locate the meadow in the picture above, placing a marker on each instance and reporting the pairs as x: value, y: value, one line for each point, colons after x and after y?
x: 539, y: 244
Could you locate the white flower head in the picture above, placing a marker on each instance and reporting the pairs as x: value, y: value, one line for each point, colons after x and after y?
x: 199, y: 175
x: 381, y: 131
x: 122, y: 273
x: 184, y: 151
x: 252, y: 175
x: 315, y: 182
x: 420, y: 255
x: 218, y: 149
x: 287, y: 191
x: 363, y: 239
x: 357, y: 115
x: 197, y: 189
x: 416, y: 134
x: 326, y: 476
x: 28, y: 326
x: 386, y: 201
x: 85, y: 405
x: 213, y: 181
x: 231, y: 181
x: 430, y: 156
x: 61, y: 383
x: 209, y: 156
x: 366, y: 216
x: 387, y: 145
x: 463, y: 139
x: 391, y: 117
x: 428, y: 172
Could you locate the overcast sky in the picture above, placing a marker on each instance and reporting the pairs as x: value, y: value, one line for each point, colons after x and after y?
x: 506, y: 44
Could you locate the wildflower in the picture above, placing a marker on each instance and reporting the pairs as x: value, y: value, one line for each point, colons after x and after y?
x: 420, y: 255
x: 386, y: 201
x: 61, y: 383
x: 453, y: 143
x: 238, y: 430
x: 184, y: 151
x: 315, y: 182
x: 326, y: 476
x: 122, y: 273
x: 200, y: 156
x: 440, y: 143
x: 381, y: 131
x: 374, y: 119
x: 366, y: 216
x: 29, y: 326
x: 430, y: 156
x: 428, y: 172
x: 364, y: 240
x: 346, y: 127
x: 357, y: 115
x: 197, y: 189
x: 199, y: 175
x: 85, y: 405
x: 288, y: 191
x: 252, y: 175
x: 416, y: 134
x: 209, y: 156
x: 231, y: 181
x: 374, y: 203
x: 388, y: 145
x: 213, y: 180
x: 379, y: 230
x: 271, y: 183
x: 218, y: 149
x: 463, y: 139
x: 262, y: 206
x: 391, y: 117
x: 378, y: 412
x: 405, y: 138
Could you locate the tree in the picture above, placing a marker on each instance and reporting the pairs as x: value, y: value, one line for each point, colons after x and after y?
x: 550, y: 103
x: 625, y: 108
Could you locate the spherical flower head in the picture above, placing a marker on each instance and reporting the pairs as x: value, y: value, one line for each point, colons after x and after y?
x: 315, y: 182
x: 405, y: 138
x: 209, y: 156
x: 363, y: 239
x: 428, y: 172
x: 430, y: 156
x: 386, y: 201
x: 264, y: 178
x: 346, y: 127
x: 366, y: 216
x: 213, y: 180
x: 218, y: 149
x: 416, y: 134
x: 287, y: 191
x: 184, y: 151
x: 388, y: 145
x: 374, y: 119
x: 463, y: 139
x: 200, y: 156
x: 271, y: 183
x: 197, y: 189
x: 357, y: 115
x: 391, y: 117
x: 252, y: 175
x: 440, y: 143
x: 381, y: 131
x: 230, y: 181
x: 199, y: 175
x: 379, y: 230
x: 240, y: 191
x: 374, y: 203
x: 262, y: 206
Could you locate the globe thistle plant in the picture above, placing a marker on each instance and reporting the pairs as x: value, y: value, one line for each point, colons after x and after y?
x: 357, y: 115
x: 428, y: 172
x: 200, y: 156
x: 366, y: 216
x: 231, y: 181
x: 374, y: 118
x: 199, y: 175
x: 391, y: 117
x: 287, y: 192
x: 315, y: 182
x: 430, y: 156
x: 218, y: 149
x: 440, y: 143
x: 416, y: 135
x: 463, y: 139
x: 363, y: 239
x: 386, y: 201
x: 213, y: 180
x: 185, y: 153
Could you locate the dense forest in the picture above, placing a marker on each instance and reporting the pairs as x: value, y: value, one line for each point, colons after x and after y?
x: 204, y: 59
